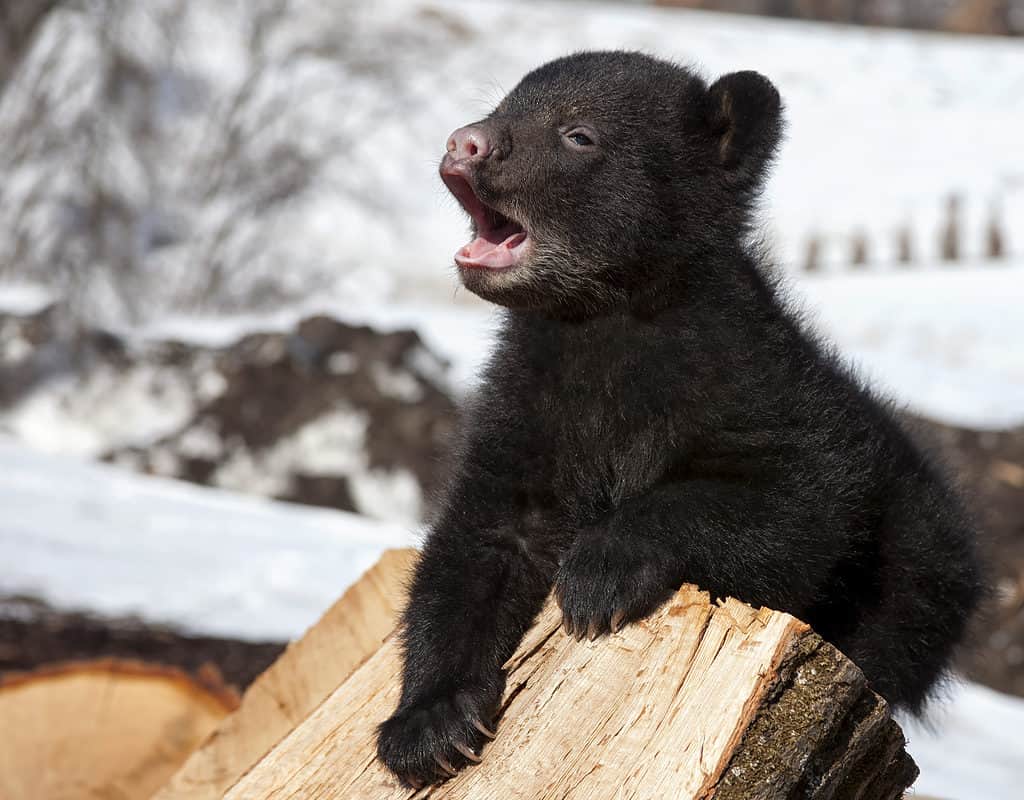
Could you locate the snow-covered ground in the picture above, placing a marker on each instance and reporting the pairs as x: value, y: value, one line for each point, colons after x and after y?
x: 947, y: 344
x: 91, y: 536
x: 970, y: 747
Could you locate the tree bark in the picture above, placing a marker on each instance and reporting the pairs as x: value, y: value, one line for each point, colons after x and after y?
x: 700, y: 700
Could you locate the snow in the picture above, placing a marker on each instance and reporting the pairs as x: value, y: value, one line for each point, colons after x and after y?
x: 92, y: 536
x: 971, y: 747
x: 106, y: 409
x: 948, y: 344
x: 24, y: 298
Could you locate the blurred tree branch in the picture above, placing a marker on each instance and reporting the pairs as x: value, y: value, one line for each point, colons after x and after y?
x: 19, y: 21
x: 136, y: 175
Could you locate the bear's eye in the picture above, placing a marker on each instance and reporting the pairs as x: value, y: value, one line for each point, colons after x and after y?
x: 580, y: 138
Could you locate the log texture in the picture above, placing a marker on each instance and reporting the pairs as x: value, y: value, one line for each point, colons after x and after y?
x: 307, y: 672
x: 700, y: 700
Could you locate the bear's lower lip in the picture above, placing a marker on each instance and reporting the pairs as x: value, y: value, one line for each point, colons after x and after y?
x: 485, y: 253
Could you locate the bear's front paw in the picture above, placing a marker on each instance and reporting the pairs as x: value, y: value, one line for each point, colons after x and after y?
x: 430, y: 741
x: 606, y: 581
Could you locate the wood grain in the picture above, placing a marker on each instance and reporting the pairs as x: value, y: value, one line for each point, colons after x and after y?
x: 305, y: 674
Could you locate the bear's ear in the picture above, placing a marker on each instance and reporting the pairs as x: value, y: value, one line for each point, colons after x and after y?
x: 745, y: 114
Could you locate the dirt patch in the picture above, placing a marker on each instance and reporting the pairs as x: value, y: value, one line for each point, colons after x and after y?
x: 325, y: 413
x: 33, y: 633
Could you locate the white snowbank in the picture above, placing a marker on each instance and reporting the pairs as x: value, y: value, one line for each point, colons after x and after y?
x: 92, y: 536
x: 948, y: 344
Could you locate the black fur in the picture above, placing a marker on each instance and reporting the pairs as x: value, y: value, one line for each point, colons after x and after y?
x: 653, y: 414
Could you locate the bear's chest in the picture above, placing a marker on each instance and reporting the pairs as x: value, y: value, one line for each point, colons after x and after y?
x: 604, y: 403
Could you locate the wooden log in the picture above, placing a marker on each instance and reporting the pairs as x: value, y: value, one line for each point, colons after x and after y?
x: 294, y: 685
x: 700, y: 700
x: 101, y: 729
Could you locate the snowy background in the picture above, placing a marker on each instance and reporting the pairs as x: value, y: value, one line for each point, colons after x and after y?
x: 225, y: 259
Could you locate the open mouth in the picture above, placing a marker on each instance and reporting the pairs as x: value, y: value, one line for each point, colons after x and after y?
x: 500, y: 242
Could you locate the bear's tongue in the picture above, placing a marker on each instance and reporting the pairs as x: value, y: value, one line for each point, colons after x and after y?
x: 494, y: 249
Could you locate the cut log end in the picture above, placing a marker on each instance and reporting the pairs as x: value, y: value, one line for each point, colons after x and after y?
x: 104, y: 728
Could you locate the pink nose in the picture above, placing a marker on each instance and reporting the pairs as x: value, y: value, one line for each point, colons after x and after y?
x: 469, y: 142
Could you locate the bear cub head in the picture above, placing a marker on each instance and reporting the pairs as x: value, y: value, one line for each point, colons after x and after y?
x: 602, y: 171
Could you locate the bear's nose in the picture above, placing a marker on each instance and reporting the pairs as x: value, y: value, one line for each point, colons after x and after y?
x: 469, y: 142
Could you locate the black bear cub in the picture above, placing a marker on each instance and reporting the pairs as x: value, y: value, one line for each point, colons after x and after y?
x: 653, y: 413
